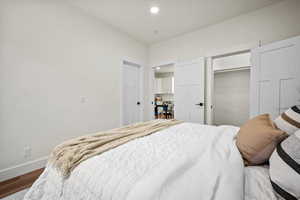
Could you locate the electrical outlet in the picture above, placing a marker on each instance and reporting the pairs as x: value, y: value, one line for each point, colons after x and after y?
x: 27, y: 152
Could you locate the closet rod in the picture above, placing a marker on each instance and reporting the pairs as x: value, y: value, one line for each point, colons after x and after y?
x: 232, y: 69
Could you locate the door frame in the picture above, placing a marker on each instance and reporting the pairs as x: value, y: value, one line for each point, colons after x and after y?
x: 210, y: 77
x: 141, y: 87
x: 152, y: 84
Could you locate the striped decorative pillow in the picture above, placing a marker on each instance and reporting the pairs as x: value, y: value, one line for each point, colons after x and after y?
x: 289, y: 121
x: 285, y: 168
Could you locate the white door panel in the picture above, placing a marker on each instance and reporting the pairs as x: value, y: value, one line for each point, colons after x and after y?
x: 189, y: 73
x: 189, y: 91
x: 267, y: 102
x: 131, y: 94
x: 289, y: 88
x: 279, y: 63
x: 275, y: 77
x: 197, y: 111
x: 180, y: 113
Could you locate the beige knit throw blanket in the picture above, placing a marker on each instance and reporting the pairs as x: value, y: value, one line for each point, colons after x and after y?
x: 66, y: 156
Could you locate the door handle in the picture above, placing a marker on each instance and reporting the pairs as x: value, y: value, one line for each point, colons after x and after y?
x: 138, y: 103
x: 199, y: 104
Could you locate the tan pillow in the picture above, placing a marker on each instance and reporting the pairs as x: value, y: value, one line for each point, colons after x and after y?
x: 258, y: 138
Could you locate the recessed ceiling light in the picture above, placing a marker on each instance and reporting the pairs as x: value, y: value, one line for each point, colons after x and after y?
x: 158, y: 68
x: 154, y: 10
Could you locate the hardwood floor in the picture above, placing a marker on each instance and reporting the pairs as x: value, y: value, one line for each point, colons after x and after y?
x: 19, y: 183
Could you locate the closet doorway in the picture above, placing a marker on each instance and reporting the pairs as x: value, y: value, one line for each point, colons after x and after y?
x: 231, y: 88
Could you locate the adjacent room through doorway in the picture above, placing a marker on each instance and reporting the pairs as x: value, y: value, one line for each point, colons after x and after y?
x: 164, y: 92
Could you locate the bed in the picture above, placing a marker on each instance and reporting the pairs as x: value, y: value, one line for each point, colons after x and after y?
x: 257, y: 184
x: 186, y: 161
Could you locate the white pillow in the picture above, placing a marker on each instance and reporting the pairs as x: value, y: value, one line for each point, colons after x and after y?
x: 285, y: 168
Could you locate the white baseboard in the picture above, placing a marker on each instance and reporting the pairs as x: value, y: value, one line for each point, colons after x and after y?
x: 23, y: 168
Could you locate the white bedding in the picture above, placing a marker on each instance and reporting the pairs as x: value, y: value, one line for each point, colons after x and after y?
x: 257, y: 184
x: 186, y: 161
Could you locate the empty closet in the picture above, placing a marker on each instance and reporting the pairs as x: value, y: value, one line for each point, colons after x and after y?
x: 231, y: 89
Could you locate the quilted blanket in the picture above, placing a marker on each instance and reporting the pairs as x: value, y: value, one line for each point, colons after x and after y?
x: 66, y: 156
x: 186, y: 161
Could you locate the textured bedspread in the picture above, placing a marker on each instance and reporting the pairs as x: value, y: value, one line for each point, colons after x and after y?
x: 68, y: 155
x: 257, y: 184
x: 186, y: 161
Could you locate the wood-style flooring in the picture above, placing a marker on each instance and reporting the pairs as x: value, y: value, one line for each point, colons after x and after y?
x: 19, y: 183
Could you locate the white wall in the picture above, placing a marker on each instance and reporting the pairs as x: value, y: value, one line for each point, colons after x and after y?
x: 272, y: 23
x: 59, y: 78
x: 60, y: 69
x: 231, y: 97
x: 276, y: 22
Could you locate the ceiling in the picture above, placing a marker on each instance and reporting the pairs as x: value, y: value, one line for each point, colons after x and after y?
x: 175, y: 17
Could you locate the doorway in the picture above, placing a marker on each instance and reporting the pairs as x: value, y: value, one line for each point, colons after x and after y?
x: 181, y: 94
x: 231, y: 89
x: 163, y: 92
x: 131, y: 102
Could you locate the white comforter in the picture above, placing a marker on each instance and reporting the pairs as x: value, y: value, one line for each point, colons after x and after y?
x: 187, y: 161
x: 257, y: 184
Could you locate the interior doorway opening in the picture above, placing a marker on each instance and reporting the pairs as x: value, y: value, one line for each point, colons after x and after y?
x: 163, y: 102
x: 231, y: 88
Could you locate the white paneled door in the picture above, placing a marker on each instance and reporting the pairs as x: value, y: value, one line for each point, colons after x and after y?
x: 275, y: 77
x: 189, y: 91
x: 131, y: 94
